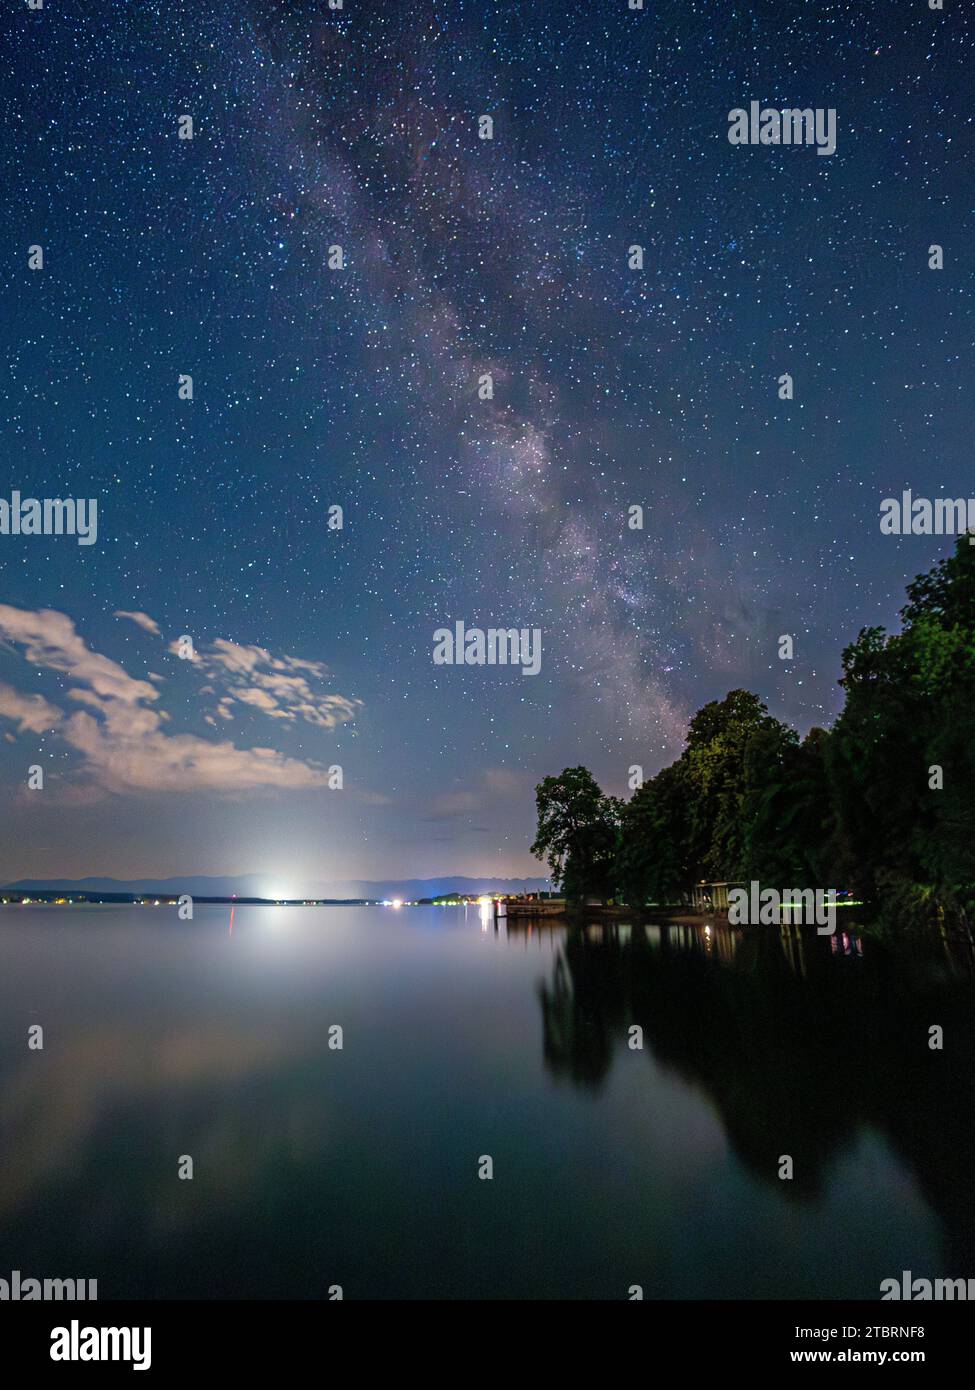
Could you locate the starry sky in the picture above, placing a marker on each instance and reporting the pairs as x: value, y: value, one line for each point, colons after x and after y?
x: 315, y: 387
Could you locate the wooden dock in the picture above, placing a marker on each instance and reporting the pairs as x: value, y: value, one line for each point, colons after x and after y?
x: 531, y: 907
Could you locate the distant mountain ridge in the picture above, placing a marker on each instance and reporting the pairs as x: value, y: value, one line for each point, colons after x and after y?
x: 260, y: 886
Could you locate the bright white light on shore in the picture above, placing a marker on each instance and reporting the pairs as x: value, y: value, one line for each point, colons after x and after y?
x: 397, y: 902
x: 278, y: 893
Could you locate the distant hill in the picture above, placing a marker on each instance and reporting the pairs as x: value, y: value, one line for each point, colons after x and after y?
x: 258, y: 886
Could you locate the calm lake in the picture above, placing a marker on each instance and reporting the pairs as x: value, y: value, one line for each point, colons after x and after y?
x: 461, y: 1038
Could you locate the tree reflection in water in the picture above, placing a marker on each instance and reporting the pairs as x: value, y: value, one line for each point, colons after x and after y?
x: 798, y: 1040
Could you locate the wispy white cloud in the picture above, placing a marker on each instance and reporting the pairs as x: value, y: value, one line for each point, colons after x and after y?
x: 49, y: 639
x: 120, y: 733
x: 282, y: 687
x: 141, y: 619
x: 29, y: 712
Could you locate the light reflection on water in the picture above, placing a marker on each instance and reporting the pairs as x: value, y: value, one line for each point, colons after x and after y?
x: 465, y: 1035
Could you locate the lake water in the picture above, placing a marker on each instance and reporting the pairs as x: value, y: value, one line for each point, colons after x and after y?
x: 462, y: 1038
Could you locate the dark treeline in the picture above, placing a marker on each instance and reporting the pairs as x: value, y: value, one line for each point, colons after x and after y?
x: 883, y: 803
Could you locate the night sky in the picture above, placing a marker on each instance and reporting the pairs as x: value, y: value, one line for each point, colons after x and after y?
x: 358, y: 387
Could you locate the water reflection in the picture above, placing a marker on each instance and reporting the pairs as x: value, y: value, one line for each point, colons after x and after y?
x: 799, y: 1041
x: 165, y: 1038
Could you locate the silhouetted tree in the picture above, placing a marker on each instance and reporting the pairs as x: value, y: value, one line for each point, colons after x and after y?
x: 735, y: 749
x: 884, y: 803
x: 576, y: 835
x: 652, y: 862
x: 902, y: 754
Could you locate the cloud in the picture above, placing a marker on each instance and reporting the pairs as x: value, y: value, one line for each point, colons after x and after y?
x: 282, y: 687
x: 260, y: 699
x: 141, y: 619
x: 127, y: 753
x: 49, y: 639
x: 120, y: 733
x: 29, y: 712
